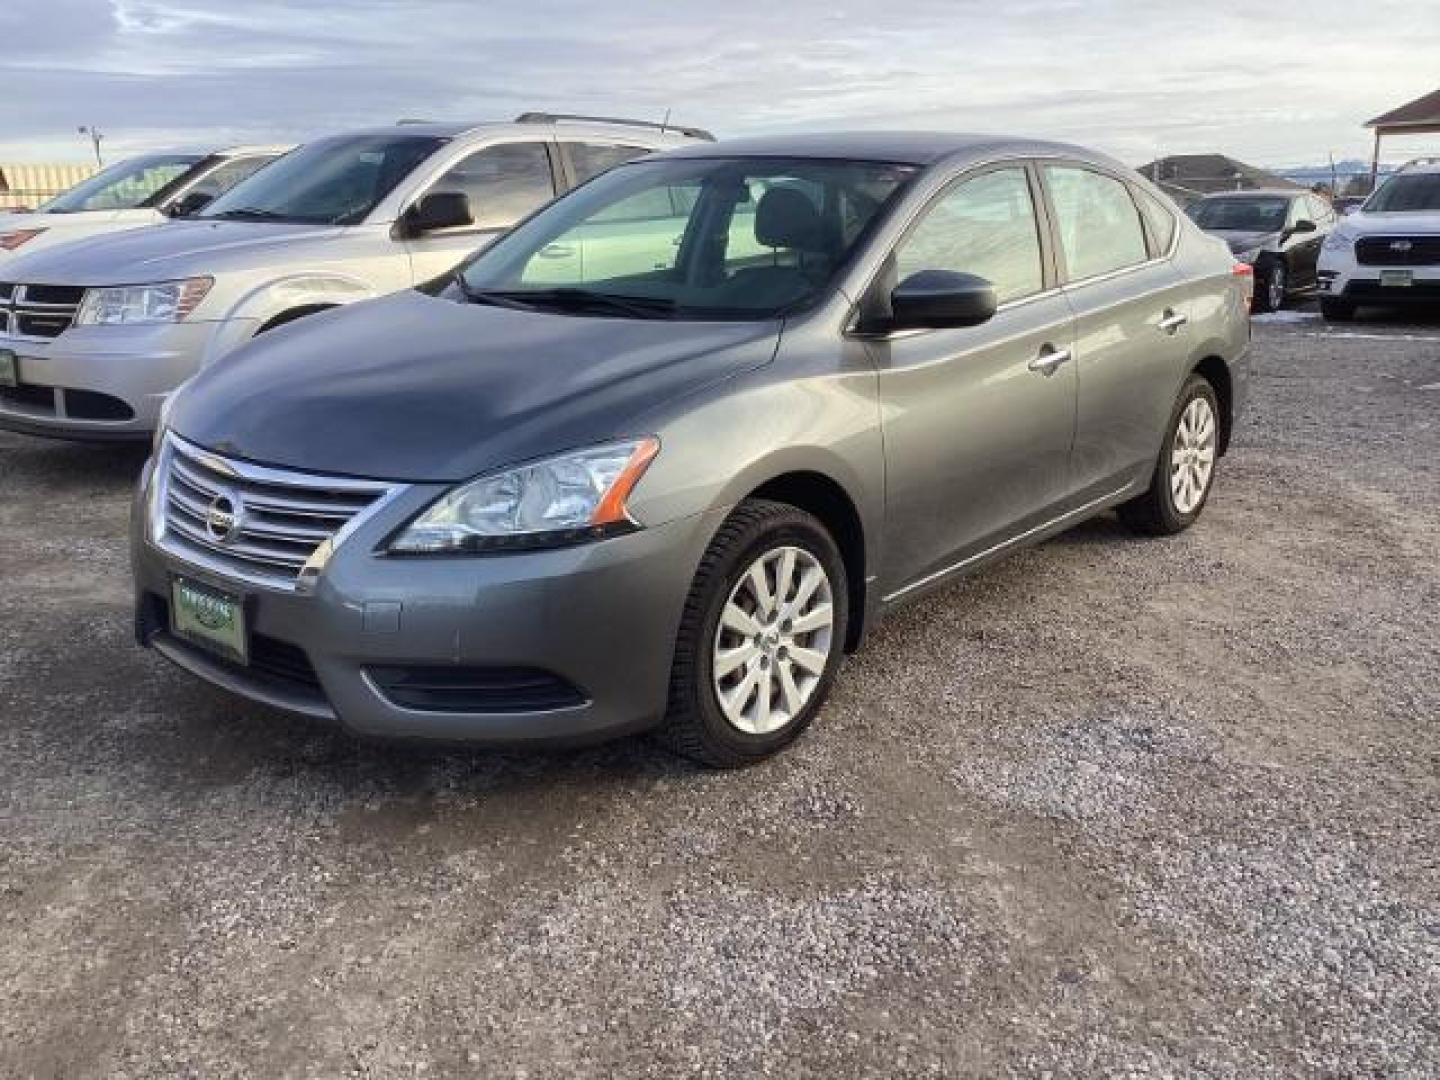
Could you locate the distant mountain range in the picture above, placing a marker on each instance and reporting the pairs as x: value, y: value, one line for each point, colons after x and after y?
x: 1320, y: 174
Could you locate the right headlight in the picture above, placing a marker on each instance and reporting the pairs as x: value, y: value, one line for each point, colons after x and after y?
x: 1339, y: 240
x: 162, y: 302
x: 567, y: 499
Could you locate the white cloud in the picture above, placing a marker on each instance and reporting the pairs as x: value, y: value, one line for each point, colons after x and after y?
x: 1135, y: 78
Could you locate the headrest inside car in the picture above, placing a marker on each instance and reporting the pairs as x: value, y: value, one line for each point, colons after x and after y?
x: 785, y: 218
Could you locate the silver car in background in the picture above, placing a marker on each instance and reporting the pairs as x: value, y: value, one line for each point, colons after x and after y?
x: 94, y: 334
x: 144, y: 190
x: 658, y: 458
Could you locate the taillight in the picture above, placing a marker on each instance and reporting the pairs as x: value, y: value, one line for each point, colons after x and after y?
x: 1245, y: 270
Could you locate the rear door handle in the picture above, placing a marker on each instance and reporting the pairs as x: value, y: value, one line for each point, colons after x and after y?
x: 1172, y: 321
x: 557, y: 251
x: 1049, y: 360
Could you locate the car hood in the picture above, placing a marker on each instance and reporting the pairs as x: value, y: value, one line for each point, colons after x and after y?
x: 40, y: 219
x: 1240, y: 240
x: 419, y: 388
x: 173, y: 249
x: 1405, y: 222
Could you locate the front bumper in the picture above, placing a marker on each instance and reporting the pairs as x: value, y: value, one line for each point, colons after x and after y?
x: 600, y: 618
x: 107, y: 382
x: 1344, y: 279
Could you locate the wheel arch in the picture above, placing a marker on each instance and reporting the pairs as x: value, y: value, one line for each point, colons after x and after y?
x: 1216, y: 372
x: 825, y: 498
x: 289, y: 315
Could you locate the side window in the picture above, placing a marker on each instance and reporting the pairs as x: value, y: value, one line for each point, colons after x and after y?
x: 228, y: 175
x: 504, y: 183
x: 1160, y: 219
x: 1099, y: 225
x: 592, y: 159
x: 983, y: 226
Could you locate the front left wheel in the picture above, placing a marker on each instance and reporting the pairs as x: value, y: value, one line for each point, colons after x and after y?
x: 761, y: 637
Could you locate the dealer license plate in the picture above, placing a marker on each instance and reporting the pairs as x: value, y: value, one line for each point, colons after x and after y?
x: 209, y: 618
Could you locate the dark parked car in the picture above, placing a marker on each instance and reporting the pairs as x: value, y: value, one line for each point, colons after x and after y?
x: 1279, y: 233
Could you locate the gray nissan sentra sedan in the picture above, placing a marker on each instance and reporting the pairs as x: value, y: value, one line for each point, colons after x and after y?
x: 657, y: 458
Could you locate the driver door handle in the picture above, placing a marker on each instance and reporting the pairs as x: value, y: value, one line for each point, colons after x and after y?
x: 1172, y: 321
x: 1049, y: 360
x: 557, y: 251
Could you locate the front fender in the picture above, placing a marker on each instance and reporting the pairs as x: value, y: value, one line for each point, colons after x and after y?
x: 261, y: 303
x: 305, y: 289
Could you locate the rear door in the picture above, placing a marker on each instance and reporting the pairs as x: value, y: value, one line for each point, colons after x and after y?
x: 1132, y: 316
x: 978, y: 422
x: 504, y: 182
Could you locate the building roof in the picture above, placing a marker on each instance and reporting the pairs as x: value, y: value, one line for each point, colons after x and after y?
x: 1206, y: 174
x: 1423, y: 112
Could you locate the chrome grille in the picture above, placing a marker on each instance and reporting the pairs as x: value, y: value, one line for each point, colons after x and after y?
x: 259, y: 524
x: 41, y: 311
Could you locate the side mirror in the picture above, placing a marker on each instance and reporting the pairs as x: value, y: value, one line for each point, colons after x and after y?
x: 191, y: 204
x: 941, y: 299
x: 1304, y: 225
x: 439, y: 210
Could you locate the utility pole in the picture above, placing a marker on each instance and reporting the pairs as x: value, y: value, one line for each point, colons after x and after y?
x: 96, y: 137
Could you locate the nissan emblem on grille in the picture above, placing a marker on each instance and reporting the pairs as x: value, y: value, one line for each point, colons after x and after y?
x: 254, y: 523
x: 224, y: 518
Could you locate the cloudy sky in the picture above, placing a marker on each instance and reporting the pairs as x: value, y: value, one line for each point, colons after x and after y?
x: 1275, y: 84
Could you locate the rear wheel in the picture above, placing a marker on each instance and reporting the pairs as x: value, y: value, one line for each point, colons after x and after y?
x: 1337, y: 310
x: 1185, y: 471
x: 761, y: 637
x: 1272, y: 281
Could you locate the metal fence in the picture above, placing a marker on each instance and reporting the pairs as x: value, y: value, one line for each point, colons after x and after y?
x: 26, y: 199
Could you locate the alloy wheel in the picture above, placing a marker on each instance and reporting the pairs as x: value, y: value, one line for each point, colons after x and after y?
x: 776, y: 632
x: 1192, y: 456
x: 1276, y: 286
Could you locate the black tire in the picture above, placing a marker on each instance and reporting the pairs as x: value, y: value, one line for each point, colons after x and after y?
x: 695, y: 724
x: 1272, y: 282
x: 1337, y: 310
x: 1154, y: 513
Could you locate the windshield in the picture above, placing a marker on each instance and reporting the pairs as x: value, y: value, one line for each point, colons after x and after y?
x: 124, y: 185
x: 328, y: 182
x: 1232, y: 214
x: 1407, y: 192
x: 690, y: 238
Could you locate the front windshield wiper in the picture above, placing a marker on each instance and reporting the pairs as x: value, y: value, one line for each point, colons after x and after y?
x: 568, y: 298
x: 490, y: 296
x: 249, y: 213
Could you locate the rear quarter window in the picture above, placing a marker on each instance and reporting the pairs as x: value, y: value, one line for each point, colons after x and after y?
x: 1159, y: 219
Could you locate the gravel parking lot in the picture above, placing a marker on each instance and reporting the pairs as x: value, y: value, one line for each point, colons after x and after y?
x: 1118, y: 807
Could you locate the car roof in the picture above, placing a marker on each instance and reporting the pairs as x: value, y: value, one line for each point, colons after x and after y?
x: 455, y: 130
x: 891, y: 147
x: 1278, y: 193
x: 255, y: 148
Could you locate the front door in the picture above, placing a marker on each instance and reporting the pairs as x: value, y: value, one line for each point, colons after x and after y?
x: 978, y: 422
